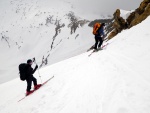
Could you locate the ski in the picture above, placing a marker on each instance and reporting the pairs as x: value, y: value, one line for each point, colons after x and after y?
x: 103, y: 46
x: 36, y: 89
x: 91, y: 48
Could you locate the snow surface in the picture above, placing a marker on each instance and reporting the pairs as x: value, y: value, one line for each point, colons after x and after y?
x: 26, y: 35
x: 125, y: 14
x: 114, y: 80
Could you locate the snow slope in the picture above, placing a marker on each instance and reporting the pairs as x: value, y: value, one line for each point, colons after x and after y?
x: 28, y: 29
x: 114, y: 80
x: 125, y: 14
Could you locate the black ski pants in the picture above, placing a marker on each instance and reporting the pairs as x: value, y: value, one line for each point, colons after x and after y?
x: 99, y: 40
x: 29, y: 82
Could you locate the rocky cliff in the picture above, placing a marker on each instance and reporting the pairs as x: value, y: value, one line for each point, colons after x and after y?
x: 136, y: 17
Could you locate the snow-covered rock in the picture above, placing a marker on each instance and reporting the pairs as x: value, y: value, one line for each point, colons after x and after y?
x: 125, y: 14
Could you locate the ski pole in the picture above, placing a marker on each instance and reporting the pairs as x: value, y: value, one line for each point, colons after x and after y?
x: 38, y: 70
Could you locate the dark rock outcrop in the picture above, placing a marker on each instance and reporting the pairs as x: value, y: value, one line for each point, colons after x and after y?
x: 134, y: 18
x: 75, y: 22
x: 118, y: 25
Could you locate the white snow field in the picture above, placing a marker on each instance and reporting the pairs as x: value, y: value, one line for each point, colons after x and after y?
x: 27, y: 30
x: 125, y: 14
x: 113, y: 80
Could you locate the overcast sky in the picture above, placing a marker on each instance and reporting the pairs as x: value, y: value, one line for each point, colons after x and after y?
x: 105, y: 6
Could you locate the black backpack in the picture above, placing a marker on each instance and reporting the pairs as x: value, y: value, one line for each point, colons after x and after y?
x: 23, y: 71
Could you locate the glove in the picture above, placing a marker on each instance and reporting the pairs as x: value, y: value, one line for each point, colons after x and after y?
x: 36, y: 66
